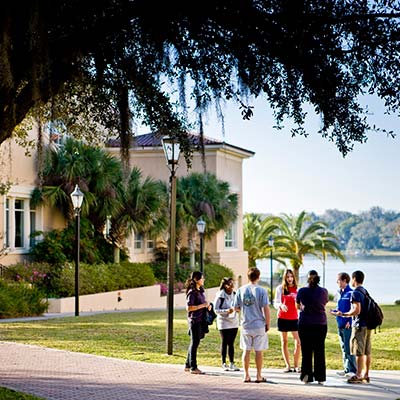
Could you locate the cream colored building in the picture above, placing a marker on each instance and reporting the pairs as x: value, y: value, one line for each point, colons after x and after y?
x: 18, y: 220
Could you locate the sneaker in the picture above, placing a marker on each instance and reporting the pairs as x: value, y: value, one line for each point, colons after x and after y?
x: 321, y: 382
x: 287, y: 369
x: 305, y: 379
x: 349, y: 374
x: 225, y: 367
x: 233, y: 367
x: 341, y: 373
x: 297, y: 369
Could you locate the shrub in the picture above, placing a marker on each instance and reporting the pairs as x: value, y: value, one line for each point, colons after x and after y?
x: 21, y: 300
x: 214, y: 274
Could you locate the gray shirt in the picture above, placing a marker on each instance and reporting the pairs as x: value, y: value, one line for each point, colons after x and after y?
x: 251, y: 299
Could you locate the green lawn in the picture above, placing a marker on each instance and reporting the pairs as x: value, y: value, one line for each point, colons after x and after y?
x: 7, y: 394
x: 141, y: 336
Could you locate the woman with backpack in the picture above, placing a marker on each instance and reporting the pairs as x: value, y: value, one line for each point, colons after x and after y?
x: 196, y: 306
x: 227, y: 322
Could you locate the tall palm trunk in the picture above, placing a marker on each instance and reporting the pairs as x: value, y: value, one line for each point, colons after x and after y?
x: 192, y: 250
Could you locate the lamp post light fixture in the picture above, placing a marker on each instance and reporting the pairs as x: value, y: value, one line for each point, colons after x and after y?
x: 77, y: 199
x: 171, y: 151
x: 271, y: 245
x: 201, y: 227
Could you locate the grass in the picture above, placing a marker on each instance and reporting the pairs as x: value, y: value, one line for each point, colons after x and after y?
x: 140, y: 336
x: 8, y: 394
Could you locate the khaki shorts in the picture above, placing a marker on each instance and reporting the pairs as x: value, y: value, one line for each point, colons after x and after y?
x: 254, y: 340
x: 360, y: 341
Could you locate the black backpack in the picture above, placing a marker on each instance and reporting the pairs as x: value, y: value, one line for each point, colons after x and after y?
x: 373, y: 313
x: 210, y: 315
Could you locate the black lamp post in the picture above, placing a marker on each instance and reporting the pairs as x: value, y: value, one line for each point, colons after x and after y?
x: 201, y: 227
x: 171, y: 151
x: 77, y: 199
x: 271, y: 245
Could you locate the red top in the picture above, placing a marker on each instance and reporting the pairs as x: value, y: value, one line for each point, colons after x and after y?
x: 289, y: 300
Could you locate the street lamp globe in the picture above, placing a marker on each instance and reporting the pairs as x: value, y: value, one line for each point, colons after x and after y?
x: 270, y: 241
x: 77, y: 198
x: 171, y: 151
x: 201, y: 226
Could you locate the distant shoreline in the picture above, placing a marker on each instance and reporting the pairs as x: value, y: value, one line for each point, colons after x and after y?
x: 374, y: 253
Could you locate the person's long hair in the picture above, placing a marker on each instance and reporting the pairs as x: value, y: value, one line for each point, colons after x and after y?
x: 225, y: 281
x: 191, y: 283
x: 313, y: 278
x: 285, y: 283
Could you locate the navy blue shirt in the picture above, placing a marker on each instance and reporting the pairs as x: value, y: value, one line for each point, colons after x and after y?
x: 195, y: 298
x: 312, y: 302
x: 358, y: 297
x: 344, y: 305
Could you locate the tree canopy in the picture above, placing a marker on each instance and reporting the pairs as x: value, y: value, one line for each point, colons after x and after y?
x: 101, y: 65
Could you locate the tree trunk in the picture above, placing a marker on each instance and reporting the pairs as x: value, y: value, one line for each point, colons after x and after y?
x: 116, y: 254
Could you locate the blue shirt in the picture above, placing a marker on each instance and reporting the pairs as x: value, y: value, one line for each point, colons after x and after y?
x: 344, y: 305
x: 358, y: 297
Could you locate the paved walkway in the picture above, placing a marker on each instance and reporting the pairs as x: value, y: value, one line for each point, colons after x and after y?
x: 63, y: 375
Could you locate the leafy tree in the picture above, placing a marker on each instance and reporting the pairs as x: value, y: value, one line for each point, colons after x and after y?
x: 114, y: 60
x: 298, y: 237
x: 364, y: 237
x: 203, y: 195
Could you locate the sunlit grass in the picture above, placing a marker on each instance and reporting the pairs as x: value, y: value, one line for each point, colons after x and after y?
x: 8, y: 394
x: 140, y: 336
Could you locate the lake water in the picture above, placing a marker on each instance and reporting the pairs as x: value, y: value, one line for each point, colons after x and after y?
x: 382, y: 274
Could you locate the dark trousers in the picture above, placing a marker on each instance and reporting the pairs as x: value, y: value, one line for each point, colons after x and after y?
x: 196, y: 333
x: 228, y: 337
x: 312, y: 339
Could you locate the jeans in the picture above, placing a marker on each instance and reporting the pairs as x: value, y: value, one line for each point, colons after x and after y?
x: 349, y: 361
x: 312, y: 338
x: 196, y: 333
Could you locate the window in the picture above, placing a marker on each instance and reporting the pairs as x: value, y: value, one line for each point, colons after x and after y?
x: 150, y: 244
x: 230, y: 237
x: 20, y: 222
x: 138, y: 243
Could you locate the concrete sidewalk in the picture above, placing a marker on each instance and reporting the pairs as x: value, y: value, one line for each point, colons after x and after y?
x: 62, y: 375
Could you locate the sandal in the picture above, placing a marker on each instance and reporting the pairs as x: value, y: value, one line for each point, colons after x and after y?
x: 262, y: 380
x: 356, y: 379
x: 246, y: 380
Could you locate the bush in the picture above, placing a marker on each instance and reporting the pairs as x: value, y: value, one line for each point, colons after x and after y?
x: 21, y: 300
x: 214, y: 274
x: 59, y: 280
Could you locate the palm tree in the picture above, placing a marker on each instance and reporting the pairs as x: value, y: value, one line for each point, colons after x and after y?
x: 203, y: 195
x: 256, y: 232
x: 138, y: 205
x: 143, y: 210
x: 297, y: 237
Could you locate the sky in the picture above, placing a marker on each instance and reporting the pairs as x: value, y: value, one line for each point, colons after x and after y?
x: 288, y: 175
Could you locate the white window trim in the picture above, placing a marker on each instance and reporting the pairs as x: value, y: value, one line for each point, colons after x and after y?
x: 20, y: 193
x: 233, y: 228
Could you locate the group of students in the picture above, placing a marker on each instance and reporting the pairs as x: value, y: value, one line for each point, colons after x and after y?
x: 300, y: 311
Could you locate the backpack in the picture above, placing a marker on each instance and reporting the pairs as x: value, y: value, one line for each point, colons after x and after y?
x: 373, y: 313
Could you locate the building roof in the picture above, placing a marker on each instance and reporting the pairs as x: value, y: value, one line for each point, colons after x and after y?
x: 150, y: 140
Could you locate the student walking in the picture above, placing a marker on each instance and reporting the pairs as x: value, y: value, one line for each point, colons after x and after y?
x: 311, y: 301
x: 360, y: 340
x: 252, y: 301
x: 288, y: 319
x: 227, y: 322
x: 196, y: 306
x: 344, y: 324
